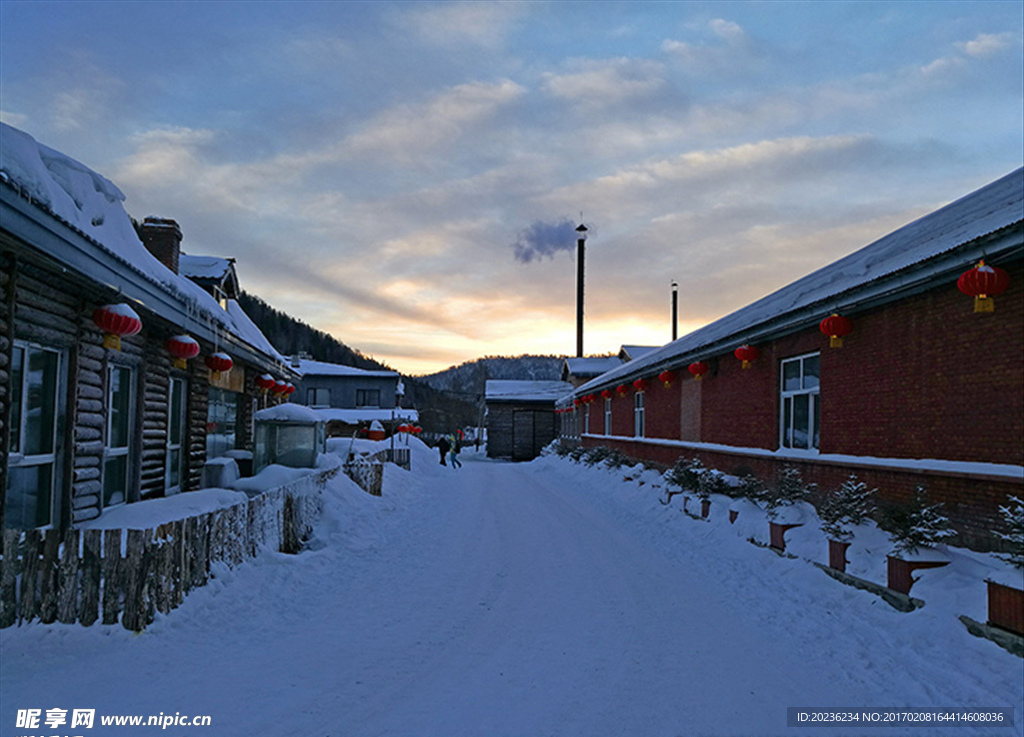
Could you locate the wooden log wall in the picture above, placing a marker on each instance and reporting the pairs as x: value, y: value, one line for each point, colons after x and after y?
x: 7, y: 266
x: 94, y: 575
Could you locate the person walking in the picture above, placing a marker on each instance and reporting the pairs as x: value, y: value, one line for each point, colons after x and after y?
x: 456, y: 447
x: 443, y: 446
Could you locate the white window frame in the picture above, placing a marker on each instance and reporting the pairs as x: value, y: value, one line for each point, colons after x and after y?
x: 607, y: 417
x: 109, y: 451
x: 639, y: 419
x: 314, y: 393
x: 586, y: 419
x: 16, y: 458
x: 788, y: 398
x: 176, y: 444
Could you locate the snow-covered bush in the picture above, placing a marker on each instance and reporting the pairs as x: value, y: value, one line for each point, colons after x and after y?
x: 577, y: 453
x: 915, y: 525
x: 1014, y: 518
x: 617, y: 459
x: 595, y: 455
x: 752, y: 488
x: 710, y: 481
x: 556, y: 448
x: 685, y: 473
x: 846, y: 508
x: 789, y: 490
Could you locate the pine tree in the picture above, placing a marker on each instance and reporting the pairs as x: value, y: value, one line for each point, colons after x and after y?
x: 1014, y: 518
x: 916, y: 525
x: 846, y: 508
x: 789, y: 490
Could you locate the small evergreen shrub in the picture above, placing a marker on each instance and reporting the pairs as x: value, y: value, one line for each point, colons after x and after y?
x: 1014, y: 517
x: 617, y: 459
x: 596, y: 454
x: 752, y: 488
x: 789, y: 490
x: 685, y: 473
x: 576, y: 453
x: 915, y: 525
x: 710, y: 481
x: 845, y: 508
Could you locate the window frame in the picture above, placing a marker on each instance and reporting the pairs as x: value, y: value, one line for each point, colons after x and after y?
x: 607, y: 417
x: 639, y: 415
x: 115, y: 452
x: 171, y: 446
x: 314, y: 393
x: 366, y: 394
x: 17, y: 459
x: 788, y: 399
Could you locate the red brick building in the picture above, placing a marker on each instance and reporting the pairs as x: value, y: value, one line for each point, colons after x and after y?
x: 923, y: 391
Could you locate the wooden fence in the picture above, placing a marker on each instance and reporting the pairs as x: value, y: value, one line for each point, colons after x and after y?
x: 367, y: 473
x: 122, y: 575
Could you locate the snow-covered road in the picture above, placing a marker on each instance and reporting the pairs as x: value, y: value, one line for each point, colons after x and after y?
x: 512, y: 599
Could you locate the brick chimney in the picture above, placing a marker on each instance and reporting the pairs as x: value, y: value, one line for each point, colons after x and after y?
x: 162, y: 238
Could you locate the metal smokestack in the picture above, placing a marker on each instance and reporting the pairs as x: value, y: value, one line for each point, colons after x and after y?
x: 675, y: 310
x: 581, y: 232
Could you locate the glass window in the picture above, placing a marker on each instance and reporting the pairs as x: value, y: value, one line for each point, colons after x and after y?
x: 318, y: 397
x: 221, y: 422
x: 607, y: 417
x: 35, y: 373
x: 638, y: 415
x: 367, y: 397
x: 119, y: 430
x: 800, y: 403
x: 175, y: 436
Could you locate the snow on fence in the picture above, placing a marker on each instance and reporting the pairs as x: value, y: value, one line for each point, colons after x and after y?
x: 367, y: 472
x: 127, y: 574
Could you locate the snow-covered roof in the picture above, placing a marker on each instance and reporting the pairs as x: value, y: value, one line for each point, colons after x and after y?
x: 288, y: 412
x: 632, y: 352
x: 905, y: 261
x: 308, y: 367
x: 590, y: 366
x: 91, y: 205
x: 503, y: 390
x: 366, y: 414
x: 205, y: 268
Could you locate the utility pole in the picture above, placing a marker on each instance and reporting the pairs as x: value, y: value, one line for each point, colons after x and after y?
x: 581, y: 239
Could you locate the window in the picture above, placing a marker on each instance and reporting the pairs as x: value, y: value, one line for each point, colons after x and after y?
x: 586, y: 418
x: 367, y: 397
x: 607, y: 417
x: 116, y: 461
x: 33, y: 468
x: 176, y: 433
x: 221, y: 422
x: 638, y: 414
x: 318, y: 397
x: 800, y: 406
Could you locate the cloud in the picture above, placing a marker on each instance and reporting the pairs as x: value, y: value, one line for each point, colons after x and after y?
x: 541, y: 239
x: 986, y: 44
x: 602, y: 83
x: 484, y: 24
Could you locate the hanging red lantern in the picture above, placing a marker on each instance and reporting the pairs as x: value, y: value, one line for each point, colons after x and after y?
x: 622, y: 389
x: 983, y: 282
x: 577, y: 402
x: 607, y: 394
x: 640, y: 384
x: 289, y: 389
x: 698, y: 369
x: 280, y: 387
x: 667, y: 377
x: 746, y: 354
x: 182, y: 347
x: 218, y: 363
x: 116, y: 321
x: 265, y: 382
x: 836, y: 327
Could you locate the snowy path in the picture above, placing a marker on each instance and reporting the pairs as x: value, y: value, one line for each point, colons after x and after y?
x: 500, y: 599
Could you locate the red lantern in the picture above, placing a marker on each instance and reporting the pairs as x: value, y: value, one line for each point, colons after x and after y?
x: 984, y: 282
x: 116, y: 321
x: 746, y: 354
x: 640, y: 385
x: 577, y: 402
x: 265, y: 382
x: 607, y: 394
x: 622, y: 389
x: 667, y: 377
x: 280, y: 387
x: 218, y: 363
x: 182, y: 347
x: 698, y: 369
x: 835, y: 327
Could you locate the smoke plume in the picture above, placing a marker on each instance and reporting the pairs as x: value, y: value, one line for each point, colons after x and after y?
x: 542, y: 239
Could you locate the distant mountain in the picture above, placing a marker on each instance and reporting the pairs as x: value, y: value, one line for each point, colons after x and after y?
x: 292, y: 336
x: 467, y: 379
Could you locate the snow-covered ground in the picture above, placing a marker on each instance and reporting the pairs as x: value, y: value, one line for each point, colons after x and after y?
x: 532, y: 599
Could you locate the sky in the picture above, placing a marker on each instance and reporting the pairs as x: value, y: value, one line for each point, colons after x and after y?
x: 407, y: 176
